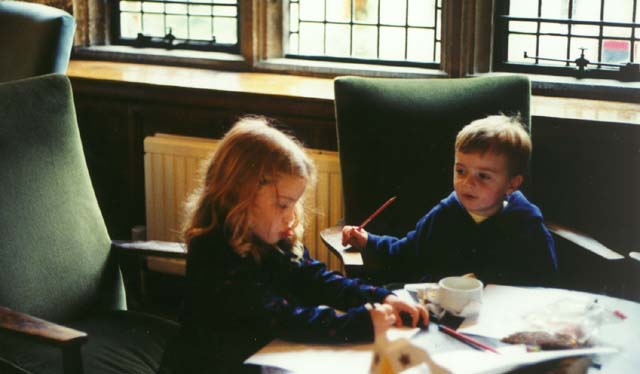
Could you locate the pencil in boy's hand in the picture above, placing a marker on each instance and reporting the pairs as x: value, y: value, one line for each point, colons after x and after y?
x: 466, y: 339
x: 372, y: 216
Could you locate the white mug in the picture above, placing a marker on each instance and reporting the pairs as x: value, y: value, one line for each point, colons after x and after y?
x: 460, y: 296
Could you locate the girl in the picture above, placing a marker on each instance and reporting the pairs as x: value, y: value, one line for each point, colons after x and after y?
x: 249, y: 279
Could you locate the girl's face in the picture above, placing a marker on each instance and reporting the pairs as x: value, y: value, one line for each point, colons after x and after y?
x: 481, y: 181
x: 272, y: 211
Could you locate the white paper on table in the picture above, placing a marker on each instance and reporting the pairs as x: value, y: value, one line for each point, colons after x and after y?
x: 504, y: 309
x: 478, y: 362
x: 322, y: 358
x: 356, y: 358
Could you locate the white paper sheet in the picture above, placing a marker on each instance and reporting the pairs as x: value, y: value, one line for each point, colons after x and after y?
x: 319, y: 358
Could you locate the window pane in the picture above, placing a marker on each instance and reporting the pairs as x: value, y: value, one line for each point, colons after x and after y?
x: 133, y: 6
x: 186, y: 19
x: 365, y: 41
x: 230, y: 11
x: 554, y: 8
x: 294, y: 17
x: 420, y: 45
x: 393, y: 12
x: 585, y: 30
x: 338, y: 40
x: 176, y: 9
x: 178, y: 26
x: 311, y: 38
x: 367, y: 37
x: 392, y: 43
x: 293, y: 44
x: 616, y: 51
x: 555, y: 28
x: 200, y: 28
x: 152, y: 7
x: 518, y: 44
x: 311, y: 10
x: 586, y: 10
x: 618, y: 10
x: 225, y: 30
x: 553, y: 47
x: 200, y: 10
x: 590, y: 52
x: 523, y: 8
x: 517, y: 26
x: 130, y: 24
x: 636, y: 52
x: 609, y: 44
x: 339, y: 10
x: 439, y: 18
x: 624, y: 32
x: 366, y: 11
x: 421, y: 13
x: 153, y: 24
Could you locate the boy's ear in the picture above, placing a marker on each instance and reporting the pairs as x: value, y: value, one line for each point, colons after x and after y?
x: 514, y: 183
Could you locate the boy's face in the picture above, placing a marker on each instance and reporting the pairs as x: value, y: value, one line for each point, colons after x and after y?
x: 481, y: 181
x: 272, y: 211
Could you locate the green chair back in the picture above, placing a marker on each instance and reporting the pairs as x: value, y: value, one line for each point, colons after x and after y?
x: 54, y: 247
x: 35, y: 39
x: 396, y: 138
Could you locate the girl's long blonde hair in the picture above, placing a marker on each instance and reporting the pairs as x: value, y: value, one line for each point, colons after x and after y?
x: 251, y: 154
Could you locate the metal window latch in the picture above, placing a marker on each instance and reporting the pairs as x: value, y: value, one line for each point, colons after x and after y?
x: 627, y: 72
x: 142, y: 40
x: 169, y: 39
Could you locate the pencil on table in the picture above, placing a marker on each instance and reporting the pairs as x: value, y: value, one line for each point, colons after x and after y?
x: 466, y: 339
x: 374, y: 214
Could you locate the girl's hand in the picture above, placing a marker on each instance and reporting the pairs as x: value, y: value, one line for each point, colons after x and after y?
x: 354, y: 236
x: 382, y: 317
x: 416, y: 311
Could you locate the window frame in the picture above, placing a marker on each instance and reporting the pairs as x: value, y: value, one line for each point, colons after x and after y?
x: 158, y: 42
x: 500, y: 52
x: 467, y: 37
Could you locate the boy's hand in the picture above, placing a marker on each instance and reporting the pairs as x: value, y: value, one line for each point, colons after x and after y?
x: 418, y: 314
x: 382, y: 317
x: 354, y: 236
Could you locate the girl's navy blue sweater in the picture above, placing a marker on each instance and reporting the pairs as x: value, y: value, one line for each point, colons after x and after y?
x: 235, y: 305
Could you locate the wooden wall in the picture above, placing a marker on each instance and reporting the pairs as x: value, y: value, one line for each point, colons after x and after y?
x: 115, y: 117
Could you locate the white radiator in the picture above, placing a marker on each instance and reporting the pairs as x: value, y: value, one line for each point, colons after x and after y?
x: 171, y: 167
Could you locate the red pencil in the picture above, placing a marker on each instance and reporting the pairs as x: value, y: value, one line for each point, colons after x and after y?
x: 372, y: 216
x: 466, y: 339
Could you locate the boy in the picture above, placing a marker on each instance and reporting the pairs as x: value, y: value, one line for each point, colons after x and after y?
x: 485, y: 226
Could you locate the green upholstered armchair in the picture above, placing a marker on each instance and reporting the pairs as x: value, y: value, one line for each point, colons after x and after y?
x: 35, y: 39
x: 62, y: 300
x: 396, y: 138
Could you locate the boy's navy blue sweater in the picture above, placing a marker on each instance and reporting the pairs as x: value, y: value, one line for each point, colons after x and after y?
x: 235, y: 305
x: 511, y: 247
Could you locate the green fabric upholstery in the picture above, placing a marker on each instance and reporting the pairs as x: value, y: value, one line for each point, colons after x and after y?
x: 54, y: 249
x: 35, y: 39
x: 396, y: 137
x: 119, y: 342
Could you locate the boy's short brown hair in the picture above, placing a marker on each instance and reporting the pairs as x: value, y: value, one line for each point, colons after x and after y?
x: 499, y: 134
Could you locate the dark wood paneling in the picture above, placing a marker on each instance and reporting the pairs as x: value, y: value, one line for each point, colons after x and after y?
x: 115, y: 117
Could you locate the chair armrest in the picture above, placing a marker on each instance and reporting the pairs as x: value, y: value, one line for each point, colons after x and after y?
x: 39, y: 329
x: 149, y: 248
x: 332, y: 238
x: 584, y: 240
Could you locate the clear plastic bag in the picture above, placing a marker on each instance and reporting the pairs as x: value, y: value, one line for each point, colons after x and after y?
x: 578, y: 318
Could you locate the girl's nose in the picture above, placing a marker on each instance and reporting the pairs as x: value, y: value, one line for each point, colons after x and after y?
x: 288, y: 216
